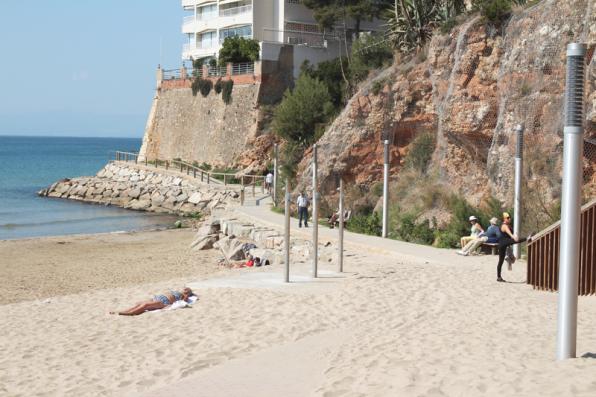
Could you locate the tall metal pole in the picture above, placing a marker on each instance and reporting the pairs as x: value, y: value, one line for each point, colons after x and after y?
x: 519, y: 130
x: 571, y: 202
x: 340, y: 254
x: 275, y: 161
x: 385, y: 188
x: 315, y: 213
x: 287, y: 233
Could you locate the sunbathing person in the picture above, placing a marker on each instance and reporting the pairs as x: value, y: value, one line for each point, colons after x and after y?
x: 158, y: 302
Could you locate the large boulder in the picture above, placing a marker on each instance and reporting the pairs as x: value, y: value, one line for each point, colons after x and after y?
x: 204, y: 242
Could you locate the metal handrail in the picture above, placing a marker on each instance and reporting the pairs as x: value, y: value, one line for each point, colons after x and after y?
x: 196, y: 172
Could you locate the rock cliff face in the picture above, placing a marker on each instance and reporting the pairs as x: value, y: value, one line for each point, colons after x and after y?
x: 141, y: 188
x: 469, y: 89
x: 203, y: 129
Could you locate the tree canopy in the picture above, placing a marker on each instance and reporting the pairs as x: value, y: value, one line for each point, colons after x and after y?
x: 329, y: 12
x: 237, y: 49
x: 302, y: 109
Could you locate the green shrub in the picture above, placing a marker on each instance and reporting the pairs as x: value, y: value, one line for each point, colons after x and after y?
x: 448, y: 25
x: 525, y: 89
x: 237, y: 49
x: 201, y: 85
x: 365, y: 224
x: 218, y: 86
x: 369, y: 52
x: 377, y: 86
x: 213, y: 62
x: 421, y: 151
x: 329, y: 73
x: 226, y: 92
x: 302, y: 109
x: 496, y: 11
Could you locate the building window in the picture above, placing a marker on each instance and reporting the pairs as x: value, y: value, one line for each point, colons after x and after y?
x: 242, y: 31
x: 207, y: 12
x: 207, y: 40
x: 294, y: 1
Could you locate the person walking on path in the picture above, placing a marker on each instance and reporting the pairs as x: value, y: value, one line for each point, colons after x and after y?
x: 506, y: 240
x: 269, y: 182
x: 302, y: 209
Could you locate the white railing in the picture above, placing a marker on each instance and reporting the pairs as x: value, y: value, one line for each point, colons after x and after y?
x: 199, y: 46
x: 228, y: 12
x: 188, y: 19
x: 243, y: 68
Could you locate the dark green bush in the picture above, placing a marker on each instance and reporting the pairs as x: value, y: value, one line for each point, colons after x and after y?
x: 377, y: 86
x: 218, y: 86
x: 448, y: 25
x: 201, y: 85
x: 366, y: 224
x: 237, y: 49
x: 496, y: 11
x: 421, y: 151
x: 302, y: 109
x: 226, y: 91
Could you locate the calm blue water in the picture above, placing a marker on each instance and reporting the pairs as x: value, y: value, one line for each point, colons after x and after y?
x: 28, y: 164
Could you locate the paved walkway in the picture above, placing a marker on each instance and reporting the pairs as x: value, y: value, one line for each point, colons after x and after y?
x: 415, y: 252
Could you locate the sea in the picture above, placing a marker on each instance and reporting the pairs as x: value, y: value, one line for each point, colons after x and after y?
x: 28, y: 164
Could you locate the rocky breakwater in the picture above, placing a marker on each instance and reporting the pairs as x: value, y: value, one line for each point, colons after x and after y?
x: 237, y: 238
x: 144, y: 188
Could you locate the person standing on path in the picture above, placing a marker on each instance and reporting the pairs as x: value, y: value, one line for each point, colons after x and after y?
x: 506, y: 240
x: 269, y: 182
x: 302, y: 209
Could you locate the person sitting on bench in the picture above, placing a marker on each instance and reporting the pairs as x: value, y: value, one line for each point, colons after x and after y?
x: 475, y: 231
x: 334, y: 219
x: 491, y: 236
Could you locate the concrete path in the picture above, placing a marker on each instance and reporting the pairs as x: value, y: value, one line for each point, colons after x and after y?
x: 409, y: 251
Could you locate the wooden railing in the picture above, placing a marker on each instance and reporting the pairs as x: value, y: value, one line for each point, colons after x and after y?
x: 198, y: 173
x: 543, y: 255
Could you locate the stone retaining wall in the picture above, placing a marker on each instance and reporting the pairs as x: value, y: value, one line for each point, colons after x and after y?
x: 142, y: 188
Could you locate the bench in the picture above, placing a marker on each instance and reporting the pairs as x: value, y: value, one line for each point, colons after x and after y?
x: 493, y: 247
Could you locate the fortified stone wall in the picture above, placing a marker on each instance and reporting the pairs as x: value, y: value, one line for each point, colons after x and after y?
x: 202, y: 129
x: 142, y: 188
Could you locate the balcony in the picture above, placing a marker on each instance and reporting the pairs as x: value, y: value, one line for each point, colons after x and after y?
x: 198, y: 51
x: 192, y: 3
x: 230, y: 12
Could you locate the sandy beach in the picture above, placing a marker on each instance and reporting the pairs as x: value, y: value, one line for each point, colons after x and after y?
x: 392, y: 324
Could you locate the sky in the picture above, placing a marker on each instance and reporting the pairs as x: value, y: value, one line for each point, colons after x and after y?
x: 82, y: 67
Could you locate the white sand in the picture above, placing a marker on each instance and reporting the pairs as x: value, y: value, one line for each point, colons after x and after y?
x: 389, y: 328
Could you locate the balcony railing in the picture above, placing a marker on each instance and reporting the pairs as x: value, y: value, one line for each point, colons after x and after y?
x: 243, y: 68
x: 194, y: 47
x: 228, y: 12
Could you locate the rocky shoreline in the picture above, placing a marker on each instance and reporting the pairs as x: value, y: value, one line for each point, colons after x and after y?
x: 142, y: 188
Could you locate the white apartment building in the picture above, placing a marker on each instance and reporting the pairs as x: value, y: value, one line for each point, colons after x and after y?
x: 269, y: 21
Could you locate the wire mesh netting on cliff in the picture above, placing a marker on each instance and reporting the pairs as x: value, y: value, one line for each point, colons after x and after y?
x: 530, y: 87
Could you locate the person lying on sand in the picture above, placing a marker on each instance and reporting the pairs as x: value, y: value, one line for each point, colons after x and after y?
x: 158, y: 302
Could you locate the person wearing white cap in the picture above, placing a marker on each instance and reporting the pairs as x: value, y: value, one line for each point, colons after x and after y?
x: 491, y: 235
x: 474, y: 231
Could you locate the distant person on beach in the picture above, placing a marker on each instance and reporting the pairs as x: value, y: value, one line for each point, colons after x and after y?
x: 506, y: 240
x: 269, y: 182
x: 158, y: 302
x: 302, y: 203
x: 475, y: 231
x: 491, y: 236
